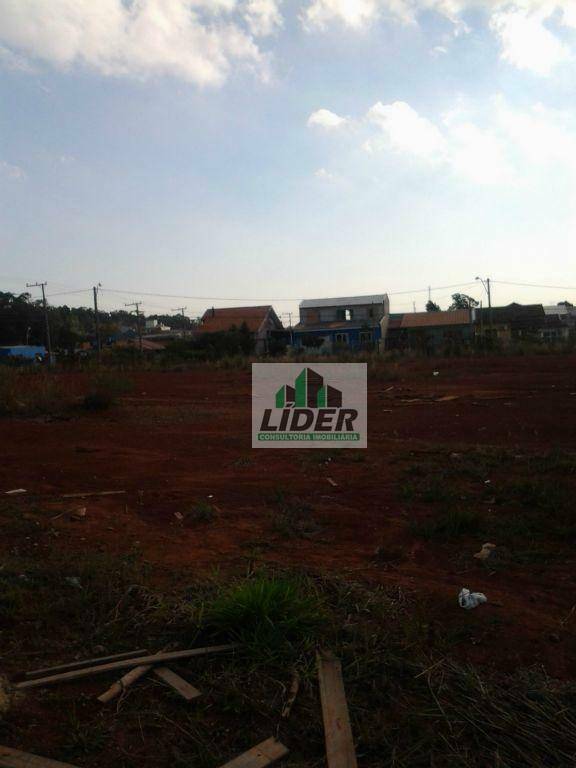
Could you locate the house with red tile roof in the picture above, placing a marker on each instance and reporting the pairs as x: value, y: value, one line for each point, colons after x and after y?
x: 261, y: 321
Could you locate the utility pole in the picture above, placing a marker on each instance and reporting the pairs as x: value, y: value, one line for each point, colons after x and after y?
x: 486, y: 285
x: 45, y: 305
x: 137, y: 305
x: 97, y: 323
x: 180, y: 310
x: 414, y: 306
x: 490, y: 307
x: 290, y: 326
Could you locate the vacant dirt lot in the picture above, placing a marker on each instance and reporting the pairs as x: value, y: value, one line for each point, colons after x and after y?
x: 483, y: 451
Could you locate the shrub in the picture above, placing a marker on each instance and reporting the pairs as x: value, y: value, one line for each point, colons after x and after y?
x: 273, y: 618
x: 29, y: 392
x: 104, y: 390
x: 201, y: 512
x: 450, y: 524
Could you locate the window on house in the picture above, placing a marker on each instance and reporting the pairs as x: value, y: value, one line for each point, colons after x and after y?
x: 341, y: 338
x: 340, y: 314
x: 348, y: 314
x: 365, y: 337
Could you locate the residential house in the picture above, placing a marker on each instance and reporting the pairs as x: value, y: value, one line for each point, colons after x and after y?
x: 262, y: 322
x: 155, y: 326
x: 514, y: 322
x: 431, y: 332
x: 560, y: 322
x: 353, y: 322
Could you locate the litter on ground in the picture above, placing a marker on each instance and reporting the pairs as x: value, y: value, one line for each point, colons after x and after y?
x: 485, y: 552
x: 469, y: 600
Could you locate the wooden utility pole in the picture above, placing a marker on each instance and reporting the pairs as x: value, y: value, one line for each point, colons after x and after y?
x: 490, y: 308
x: 486, y: 285
x: 46, y: 320
x: 139, y: 329
x: 97, y: 323
x: 290, y: 328
x: 180, y: 310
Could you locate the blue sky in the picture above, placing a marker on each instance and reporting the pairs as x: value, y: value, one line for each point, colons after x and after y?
x: 268, y: 151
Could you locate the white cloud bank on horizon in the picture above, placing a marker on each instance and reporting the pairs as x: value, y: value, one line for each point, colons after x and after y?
x: 490, y: 144
x: 199, y: 41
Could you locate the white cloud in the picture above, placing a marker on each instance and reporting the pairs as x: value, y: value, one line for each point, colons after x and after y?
x: 327, y: 120
x: 13, y: 61
x: 527, y: 43
x: 521, y: 26
x: 485, y: 143
x: 263, y: 17
x: 542, y: 136
x: 403, y: 130
x: 196, y: 40
x: 479, y: 155
x: 325, y: 175
x: 352, y: 13
x: 10, y: 171
x: 468, y: 150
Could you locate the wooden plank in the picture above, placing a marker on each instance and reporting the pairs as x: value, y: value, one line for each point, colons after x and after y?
x: 90, y: 493
x: 85, y: 663
x: 14, y: 758
x: 181, y: 686
x: 340, y: 751
x: 294, y: 688
x: 265, y: 753
x: 75, y: 674
x: 125, y: 682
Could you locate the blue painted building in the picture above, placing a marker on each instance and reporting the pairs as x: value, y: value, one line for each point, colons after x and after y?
x: 25, y: 352
x: 353, y: 323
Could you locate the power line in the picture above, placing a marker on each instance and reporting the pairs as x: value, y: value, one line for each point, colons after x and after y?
x: 284, y: 298
x: 66, y: 293
x: 535, y: 285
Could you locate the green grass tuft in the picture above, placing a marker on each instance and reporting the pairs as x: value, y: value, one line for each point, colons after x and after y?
x: 450, y: 524
x: 275, y: 619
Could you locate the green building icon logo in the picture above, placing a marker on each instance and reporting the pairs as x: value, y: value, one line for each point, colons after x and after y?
x: 309, y: 391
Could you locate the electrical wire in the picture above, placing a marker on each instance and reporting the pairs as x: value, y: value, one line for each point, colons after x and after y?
x: 535, y: 285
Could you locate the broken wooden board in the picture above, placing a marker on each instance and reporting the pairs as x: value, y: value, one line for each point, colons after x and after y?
x: 263, y: 754
x: 123, y: 664
x: 181, y: 686
x: 294, y: 688
x: 14, y: 758
x: 90, y: 493
x: 86, y: 663
x: 340, y: 752
x: 125, y: 682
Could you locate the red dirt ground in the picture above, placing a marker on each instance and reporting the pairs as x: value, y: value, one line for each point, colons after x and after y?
x: 183, y: 437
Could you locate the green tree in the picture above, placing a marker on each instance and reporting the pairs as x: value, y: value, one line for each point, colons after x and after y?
x: 431, y: 306
x: 462, y: 301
